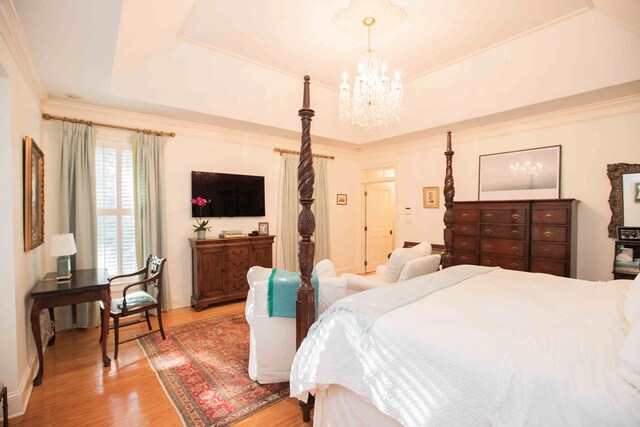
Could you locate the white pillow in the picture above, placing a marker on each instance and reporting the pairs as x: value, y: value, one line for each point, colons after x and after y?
x: 630, y: 355
x: 632, y: 301
x: 396, y: 262
x: 325, y: 268
x: 424, y: 248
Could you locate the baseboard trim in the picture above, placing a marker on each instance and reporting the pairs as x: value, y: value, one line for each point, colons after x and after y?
x: 180, y: 302
x: 19, y: 399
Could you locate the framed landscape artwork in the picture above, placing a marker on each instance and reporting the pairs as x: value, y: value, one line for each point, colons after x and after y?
x: 522, y: 174
x: 33, y: 195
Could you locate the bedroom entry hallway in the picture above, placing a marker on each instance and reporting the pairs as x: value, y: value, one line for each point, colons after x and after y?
x: 77, y: 391
x: 379, y: 216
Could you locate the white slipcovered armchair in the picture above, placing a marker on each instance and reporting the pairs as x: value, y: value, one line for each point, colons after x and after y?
x: 272, y: 340
x: 404, y: 264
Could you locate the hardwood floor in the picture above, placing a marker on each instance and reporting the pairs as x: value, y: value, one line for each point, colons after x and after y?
x: 77, y: 391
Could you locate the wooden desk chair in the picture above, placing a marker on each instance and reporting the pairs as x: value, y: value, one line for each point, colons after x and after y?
x: 137, y: 300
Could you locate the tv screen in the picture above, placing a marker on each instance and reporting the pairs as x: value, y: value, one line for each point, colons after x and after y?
x: 231, y: 195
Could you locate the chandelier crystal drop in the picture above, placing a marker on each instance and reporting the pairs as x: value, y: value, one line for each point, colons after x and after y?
x: 376, y: 99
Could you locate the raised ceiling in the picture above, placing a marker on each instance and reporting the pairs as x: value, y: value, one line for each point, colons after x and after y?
x: 240, y: 64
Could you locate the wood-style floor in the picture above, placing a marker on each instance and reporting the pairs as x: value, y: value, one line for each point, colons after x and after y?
x: 78, y: 391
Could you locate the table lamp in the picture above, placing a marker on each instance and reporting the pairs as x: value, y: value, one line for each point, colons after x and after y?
x: 63, y: 246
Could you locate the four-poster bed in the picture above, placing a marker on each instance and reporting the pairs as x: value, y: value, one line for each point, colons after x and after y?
x: 466, y: 345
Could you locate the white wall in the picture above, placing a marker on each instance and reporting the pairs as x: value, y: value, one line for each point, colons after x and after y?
x: 591, y: 137
x: 19, y: 270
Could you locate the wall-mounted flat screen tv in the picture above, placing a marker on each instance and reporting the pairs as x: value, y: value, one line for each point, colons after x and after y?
x: 231, y: 195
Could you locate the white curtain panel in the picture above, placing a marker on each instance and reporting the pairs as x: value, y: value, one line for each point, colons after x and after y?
x: 149, y: 207
x: 78, y: 213
x: 288, y: 238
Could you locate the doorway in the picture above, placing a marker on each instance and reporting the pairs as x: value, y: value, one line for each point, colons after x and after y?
x: 379, y: 222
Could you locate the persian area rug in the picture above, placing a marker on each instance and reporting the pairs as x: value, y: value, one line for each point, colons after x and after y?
x: 203, y: 368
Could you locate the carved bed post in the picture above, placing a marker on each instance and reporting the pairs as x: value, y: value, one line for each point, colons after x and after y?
x: 449, y: 191
x: 305, y: 304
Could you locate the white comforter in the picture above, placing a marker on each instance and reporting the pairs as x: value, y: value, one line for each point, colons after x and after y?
x: 504, y: 348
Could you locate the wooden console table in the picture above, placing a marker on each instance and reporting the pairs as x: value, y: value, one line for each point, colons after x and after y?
x: 84, y: 286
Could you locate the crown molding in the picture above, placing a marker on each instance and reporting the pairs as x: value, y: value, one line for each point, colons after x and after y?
x: 12, y: 32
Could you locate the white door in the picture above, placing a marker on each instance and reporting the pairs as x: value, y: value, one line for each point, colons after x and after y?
x: 379, y: 223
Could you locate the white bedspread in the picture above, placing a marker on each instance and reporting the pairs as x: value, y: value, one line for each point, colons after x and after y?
x: 503, y: 348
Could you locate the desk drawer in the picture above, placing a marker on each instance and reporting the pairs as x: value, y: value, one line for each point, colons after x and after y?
x: 549, y: 233
x: 462, y: 257
x: 464, y: 243
x: 465, y: 229
x: 500, y: 231
x: 504, y: 216
x: 510, y: 263
x: 549, y: 250
x: 549, y: 216
x: 557, y: 268
x: 503, y: 247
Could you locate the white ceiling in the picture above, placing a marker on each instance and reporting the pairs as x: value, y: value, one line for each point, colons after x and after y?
x: 240, y: 64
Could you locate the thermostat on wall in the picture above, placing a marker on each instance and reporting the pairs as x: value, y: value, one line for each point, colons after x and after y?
x: 407, y: 211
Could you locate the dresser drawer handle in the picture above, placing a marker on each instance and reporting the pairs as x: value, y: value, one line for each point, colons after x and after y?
x: 514, y: 249
x: 464, y: 258
x: 465, y: 214
x: 546, y: 250
x: 488, y: 215
x: 487, y: 261
x: 548, y: 233
x: 546, y: 268
x: 514, y: 265
x: 464, y: 244
x: 548, y: 215
x: 515, y: 216
x: 515, y: 232
x: 488, y: 231
x: 463, y: 228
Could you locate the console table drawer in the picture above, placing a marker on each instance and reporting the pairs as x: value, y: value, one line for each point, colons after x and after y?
x: 464, y: 229
x: 557, y: 268
x: 503, y: 247
x: 499, y: 231
x: 236, y: 280
x: 464, y: 243
x: 460, y: 257
x: 549, y: 234
x: 549, y: 250
x: 238, y: 263
x: 241, y: 251
x: 549, y: 216
x: 504, y: 216
x: 510, y: 263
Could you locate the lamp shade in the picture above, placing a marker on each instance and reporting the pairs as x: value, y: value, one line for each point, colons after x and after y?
x: 63, y: 245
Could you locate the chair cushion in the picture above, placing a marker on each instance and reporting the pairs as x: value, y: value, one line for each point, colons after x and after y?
x: 632, y: 301
x: 134, y: 300
x: 396, y: 263
x: 419, y: 267
x: 424, y: 248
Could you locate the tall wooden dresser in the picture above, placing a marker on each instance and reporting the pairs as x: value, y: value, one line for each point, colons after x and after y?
x: 526, y: 235
x: 219, y: 267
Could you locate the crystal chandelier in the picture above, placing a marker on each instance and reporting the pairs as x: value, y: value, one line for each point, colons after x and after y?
x: 376, y: 100
x: 526, y: 174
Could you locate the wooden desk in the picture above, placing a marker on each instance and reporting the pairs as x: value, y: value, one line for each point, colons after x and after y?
x: 84, y: 286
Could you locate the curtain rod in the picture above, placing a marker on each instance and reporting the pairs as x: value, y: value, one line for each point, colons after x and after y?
x: 105, y: 125
x: 285, y: 151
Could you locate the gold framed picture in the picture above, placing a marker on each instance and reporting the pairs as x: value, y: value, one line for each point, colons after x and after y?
x: 431, y: 197
x: 33, y: 195
x: 263, y: 229
x: 341, y: 199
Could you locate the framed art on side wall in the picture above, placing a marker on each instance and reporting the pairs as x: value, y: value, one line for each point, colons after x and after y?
x: 519, y: 175
x: 33, y: 220
x: 430, y: 197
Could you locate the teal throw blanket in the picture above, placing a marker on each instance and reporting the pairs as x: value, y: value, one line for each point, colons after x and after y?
x: 282, y: 293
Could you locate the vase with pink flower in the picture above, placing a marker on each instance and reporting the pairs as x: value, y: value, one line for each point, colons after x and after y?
x: 200, y: 227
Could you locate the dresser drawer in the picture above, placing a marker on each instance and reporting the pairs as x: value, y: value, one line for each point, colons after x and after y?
x: 464, y: 243
x: 465, y: 229
x: 239, y: 251
x: 504, y: 216
x: 557, y: 268
x: 549, y: 233
x: 510, y: 263
x: 464, y: 214
x: 238, y: 263
x: 503, y: 247
x: 236, y: 281
x: 461, y: 257
x: 549, y: 250
x: 549, y: 216
x: 500, y: 231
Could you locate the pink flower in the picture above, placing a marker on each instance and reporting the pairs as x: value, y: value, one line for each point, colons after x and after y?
x: 193, y: 201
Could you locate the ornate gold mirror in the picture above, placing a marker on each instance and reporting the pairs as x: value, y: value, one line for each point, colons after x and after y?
x: 33, y: 195
x: 621, y: 194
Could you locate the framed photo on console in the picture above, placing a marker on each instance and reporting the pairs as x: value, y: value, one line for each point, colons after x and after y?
x: 628, y: 233
x: 263, y: 229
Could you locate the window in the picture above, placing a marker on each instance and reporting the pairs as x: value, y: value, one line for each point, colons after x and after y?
x: 114, y: 196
